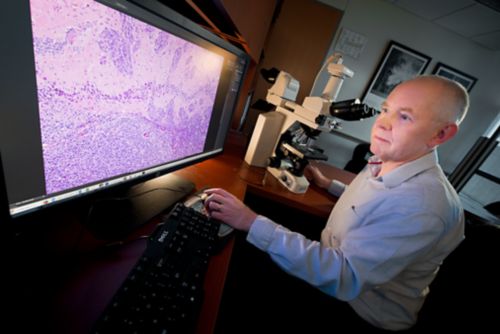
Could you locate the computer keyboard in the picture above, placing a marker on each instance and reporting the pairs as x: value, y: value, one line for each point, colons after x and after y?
x: 163, y: 292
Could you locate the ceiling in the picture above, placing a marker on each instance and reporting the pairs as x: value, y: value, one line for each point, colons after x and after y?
x: 476, y: 20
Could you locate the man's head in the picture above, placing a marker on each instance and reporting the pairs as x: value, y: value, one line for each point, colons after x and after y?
x: 418, y: 115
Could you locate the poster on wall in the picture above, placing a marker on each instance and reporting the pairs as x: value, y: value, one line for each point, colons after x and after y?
x: 351, y: 43
x: 398, y: 64
x: 446, y: 71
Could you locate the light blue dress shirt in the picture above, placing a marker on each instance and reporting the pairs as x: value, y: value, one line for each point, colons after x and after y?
x: 382, y: 245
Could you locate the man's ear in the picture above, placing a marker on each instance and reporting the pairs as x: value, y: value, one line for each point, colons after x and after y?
x: 444, y: 134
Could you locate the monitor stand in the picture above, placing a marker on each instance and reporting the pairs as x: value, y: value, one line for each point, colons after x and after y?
x: 5, y: 218
x: 119, y: 213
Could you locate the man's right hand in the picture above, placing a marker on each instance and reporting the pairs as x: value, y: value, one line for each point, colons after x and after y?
x: 224, y: 206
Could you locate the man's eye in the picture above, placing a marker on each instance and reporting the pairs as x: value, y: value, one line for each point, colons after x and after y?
x: 405, y: 117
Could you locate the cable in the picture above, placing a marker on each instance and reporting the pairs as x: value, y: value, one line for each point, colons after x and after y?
x: 183, y: 191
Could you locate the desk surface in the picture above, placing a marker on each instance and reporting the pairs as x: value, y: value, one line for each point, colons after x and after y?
x: 91, y: 286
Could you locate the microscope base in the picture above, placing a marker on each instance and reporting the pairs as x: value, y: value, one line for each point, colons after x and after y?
x: 296, y: 184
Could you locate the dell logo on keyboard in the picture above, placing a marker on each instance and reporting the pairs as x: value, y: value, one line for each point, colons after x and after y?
x: 163, y: 236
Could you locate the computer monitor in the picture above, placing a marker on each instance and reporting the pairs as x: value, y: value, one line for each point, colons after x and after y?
x: 97, y: 94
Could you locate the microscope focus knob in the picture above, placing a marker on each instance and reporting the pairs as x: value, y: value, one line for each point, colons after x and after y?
x: 286, y: 180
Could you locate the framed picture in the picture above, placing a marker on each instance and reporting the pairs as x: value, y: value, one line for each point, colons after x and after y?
x: 446, y: 71
x: 398, y: 64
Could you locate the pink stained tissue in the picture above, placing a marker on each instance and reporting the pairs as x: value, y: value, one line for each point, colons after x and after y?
x: 115, y: 94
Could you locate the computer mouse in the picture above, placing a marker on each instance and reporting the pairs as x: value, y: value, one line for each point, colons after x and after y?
x: 197, y: 202
x: 203, y: 197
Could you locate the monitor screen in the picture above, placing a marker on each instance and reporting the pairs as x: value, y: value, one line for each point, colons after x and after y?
x: 100, y: 93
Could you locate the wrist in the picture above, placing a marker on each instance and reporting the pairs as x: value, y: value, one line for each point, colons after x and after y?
x: 249, y: 220
x: 325, y: 183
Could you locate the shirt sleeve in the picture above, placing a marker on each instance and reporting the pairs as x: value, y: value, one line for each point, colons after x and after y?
x: 336, y: 188
x: 306, y: 259
x: 368, y: 256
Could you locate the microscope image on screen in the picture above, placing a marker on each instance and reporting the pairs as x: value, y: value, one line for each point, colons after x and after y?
x: 104, y: 96
x: 116, y: 94
x: 290, y: 131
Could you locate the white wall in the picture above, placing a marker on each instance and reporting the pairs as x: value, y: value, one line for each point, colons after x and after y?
x: 382, y: 22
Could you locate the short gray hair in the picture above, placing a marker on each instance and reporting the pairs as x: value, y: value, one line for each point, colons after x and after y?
x: 459, y: 97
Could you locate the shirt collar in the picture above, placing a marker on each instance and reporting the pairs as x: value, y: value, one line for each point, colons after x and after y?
x: 404, y: 172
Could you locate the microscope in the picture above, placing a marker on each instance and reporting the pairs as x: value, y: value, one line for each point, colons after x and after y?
x: 283, y: 139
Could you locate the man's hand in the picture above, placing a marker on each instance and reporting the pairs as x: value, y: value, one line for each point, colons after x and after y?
x: 225, y: 207
x: 312, y: 173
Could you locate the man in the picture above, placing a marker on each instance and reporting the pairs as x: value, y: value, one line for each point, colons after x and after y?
x: 392, y: 226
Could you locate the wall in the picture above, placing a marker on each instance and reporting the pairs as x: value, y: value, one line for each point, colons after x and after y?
x: 381, y: 22
x: 253, y: 20
x: 300, y: 35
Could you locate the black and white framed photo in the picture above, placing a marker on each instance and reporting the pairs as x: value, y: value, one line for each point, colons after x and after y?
x: 398, y: 64
x: 446, y: 71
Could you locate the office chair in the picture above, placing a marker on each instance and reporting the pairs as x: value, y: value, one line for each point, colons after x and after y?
x: 359, y: 158
x: 493, y: 208
x: 465, y: 293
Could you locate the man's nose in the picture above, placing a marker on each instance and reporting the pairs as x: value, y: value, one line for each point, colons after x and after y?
x: 384, y: 121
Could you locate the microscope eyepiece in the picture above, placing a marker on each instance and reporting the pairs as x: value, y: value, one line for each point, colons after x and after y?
x: 351, y: 110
